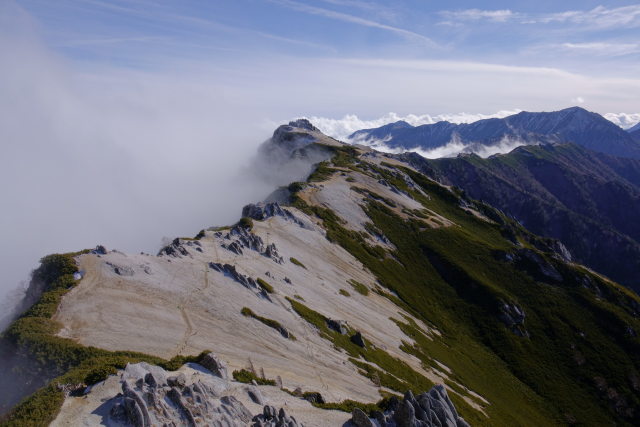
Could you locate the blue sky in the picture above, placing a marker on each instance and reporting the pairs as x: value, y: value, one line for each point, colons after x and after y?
x: 579, y: 36
x: 556, y: 53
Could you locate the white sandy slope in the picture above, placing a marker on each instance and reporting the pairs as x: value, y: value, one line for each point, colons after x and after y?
x: 178, y: 305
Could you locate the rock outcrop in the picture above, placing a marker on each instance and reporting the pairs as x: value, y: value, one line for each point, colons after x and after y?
x: 215, y: 365
x: 430, y: 409
x: 272, y: 418
x: 246, y: 281
x: 262, y: 211
x: 175, y: 249
x: 512, y: 315
x: 151, y: 398
x: 239, y: 239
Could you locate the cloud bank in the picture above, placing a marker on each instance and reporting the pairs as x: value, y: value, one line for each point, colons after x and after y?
x: 111, y: 156
x: 342, y: 128
x: 450, y: 149
x: 624, y: 120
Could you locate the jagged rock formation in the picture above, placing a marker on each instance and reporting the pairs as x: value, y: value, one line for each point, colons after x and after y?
x: 149, y: 398
x: 262, y: 211
x: 272, y: 418
x: 241, y: 238
x: 176, y: 248
x: 245, y: 281
x: 430, y: 409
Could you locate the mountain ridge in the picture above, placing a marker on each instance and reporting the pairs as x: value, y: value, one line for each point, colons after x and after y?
x: 384, y: 281
x: 573, y: 124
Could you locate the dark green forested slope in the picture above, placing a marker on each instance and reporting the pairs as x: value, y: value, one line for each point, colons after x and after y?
x: 589, y: 201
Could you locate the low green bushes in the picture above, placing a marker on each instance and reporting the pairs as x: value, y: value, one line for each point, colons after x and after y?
x: 266, y: 286
x: 245, y: 376
x: 359, y: 287
x: 298, y: 263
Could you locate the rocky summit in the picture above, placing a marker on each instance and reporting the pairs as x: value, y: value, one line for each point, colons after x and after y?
x: 367, y: 291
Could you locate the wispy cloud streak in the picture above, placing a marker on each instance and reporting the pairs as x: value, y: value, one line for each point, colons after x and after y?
x: 318, y: 11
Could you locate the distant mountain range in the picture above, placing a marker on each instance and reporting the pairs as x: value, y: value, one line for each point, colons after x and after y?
x: 574, y: 124
x: 589, y: 201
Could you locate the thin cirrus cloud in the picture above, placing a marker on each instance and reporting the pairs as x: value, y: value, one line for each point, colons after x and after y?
x: 502, y: 15
x: 601, y: 48
x: 340, y: 16
x: 597, y: 18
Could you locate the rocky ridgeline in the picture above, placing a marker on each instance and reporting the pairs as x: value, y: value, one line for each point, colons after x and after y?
x: 430, y: 409
x: 240, y: 238
x: 177, y: 248
x: 262, y: 211
x: 150, y: 397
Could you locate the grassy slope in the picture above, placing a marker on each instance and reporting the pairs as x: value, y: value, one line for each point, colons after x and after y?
x: 450, y: 278
x: 565, y: 192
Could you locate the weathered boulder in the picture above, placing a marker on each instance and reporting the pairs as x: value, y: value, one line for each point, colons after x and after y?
x: 272, y: 418
x: 360, y: 419
x: 339, y: 326
x: 175, y: 249
x: 255, y: 395
x: 313, y: 397
x: 177, y: 381
x: 358, y: 340
x: 431, y: 409
x: 213, y: 363
x: 121, y: 270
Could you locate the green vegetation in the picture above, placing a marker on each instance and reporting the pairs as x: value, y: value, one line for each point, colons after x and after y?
x: 374, y: 196
x: 344, y: 293
x: 450, y: 277
x: 349, y: 405
x: 245, y: 376
x: 322, y: 172
x: 299, y: 297
x: 246, y: 311
x: 397, y: 376
x: 359, y: 287
x: 294, y: 187
x: 266, y: 286
x: 298, y: 263
x: 246, y: 222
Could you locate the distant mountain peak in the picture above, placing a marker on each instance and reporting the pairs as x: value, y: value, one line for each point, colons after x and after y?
x: 574, y: 124
x: 303, y: 124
